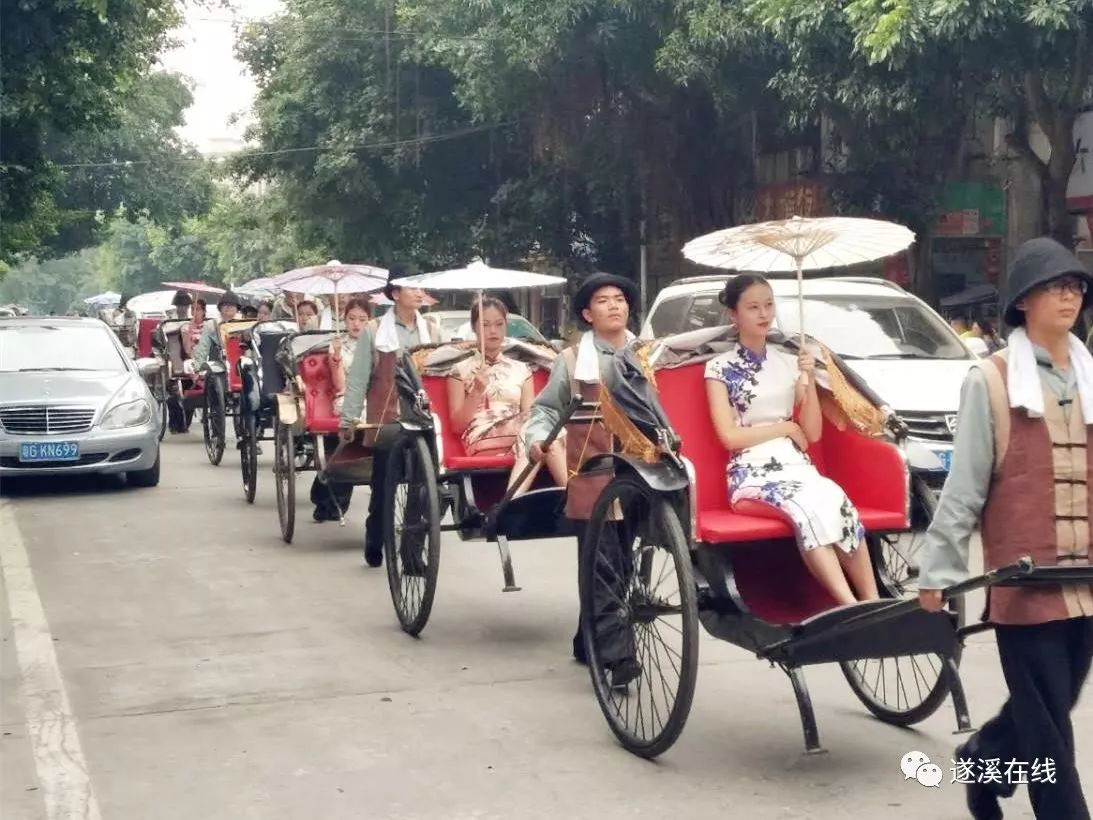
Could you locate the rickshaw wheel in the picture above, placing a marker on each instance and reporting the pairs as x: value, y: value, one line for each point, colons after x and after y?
x: 213, y: 420
x: 639, y: 601
x: 248, y: 456
x: 906, y: 689
x: 284, y: 471
x: 411, y: 531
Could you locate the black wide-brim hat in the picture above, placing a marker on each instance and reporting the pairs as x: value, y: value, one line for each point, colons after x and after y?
x: 396, y: 272
x: 1036, y: 263
x: 583, y: 297
x: 229, y: 298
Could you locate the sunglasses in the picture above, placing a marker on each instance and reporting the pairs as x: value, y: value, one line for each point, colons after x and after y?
x: 1067, y: 284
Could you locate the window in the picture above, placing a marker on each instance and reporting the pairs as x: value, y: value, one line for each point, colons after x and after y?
x: 669, y: 316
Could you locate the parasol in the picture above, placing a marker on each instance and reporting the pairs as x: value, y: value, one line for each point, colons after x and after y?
x: 103, y: 299
x: 262, y: 288
x: 195, y: 287
x: 478, y: 276
x: 379, y: 300
x: 332, y: 278
x: 798, y: 244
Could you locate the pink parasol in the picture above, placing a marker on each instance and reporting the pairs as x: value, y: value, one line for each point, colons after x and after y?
x: 195, y: 287
x: 332, y: 278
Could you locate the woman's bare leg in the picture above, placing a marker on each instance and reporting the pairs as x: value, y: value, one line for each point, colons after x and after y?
x: 825, y: 568
x: 859, y: 569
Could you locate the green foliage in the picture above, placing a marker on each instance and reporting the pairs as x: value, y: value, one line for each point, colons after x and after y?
x: 53, y: 285
x: 68, y: 66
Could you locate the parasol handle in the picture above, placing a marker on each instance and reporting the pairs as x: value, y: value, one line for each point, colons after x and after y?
x: 801, y: 310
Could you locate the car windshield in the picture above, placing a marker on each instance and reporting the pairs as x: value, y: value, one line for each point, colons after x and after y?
x: 57, y: 347
x: 873, y: 328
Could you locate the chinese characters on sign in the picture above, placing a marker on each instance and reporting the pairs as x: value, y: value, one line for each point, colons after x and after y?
x: 996, y: 770
x: 790, y: 199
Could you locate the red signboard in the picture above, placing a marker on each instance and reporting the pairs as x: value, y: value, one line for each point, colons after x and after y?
x: 789, y: 199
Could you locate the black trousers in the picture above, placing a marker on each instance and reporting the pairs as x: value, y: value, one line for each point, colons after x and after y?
x: 321, y: 495
x: 373, y: 525
x: 614, y: 567
x: 1045, y: 666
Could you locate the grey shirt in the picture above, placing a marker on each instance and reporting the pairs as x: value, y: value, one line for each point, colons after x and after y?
x: 549, y: 405
x: 207, y: 345
x: 945, y: 554
x: 359, y: 376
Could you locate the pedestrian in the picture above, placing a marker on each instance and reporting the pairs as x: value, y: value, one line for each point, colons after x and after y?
x: 1022, y: 463
x: 370, y: 385
x: 603, y: 303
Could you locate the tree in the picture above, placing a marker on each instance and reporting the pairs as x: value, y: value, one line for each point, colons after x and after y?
x: 52, y: 285
x: 1035, y: 55
x: 67, y: 66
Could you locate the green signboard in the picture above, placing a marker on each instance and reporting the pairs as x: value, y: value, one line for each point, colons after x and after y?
x: 971, y: 209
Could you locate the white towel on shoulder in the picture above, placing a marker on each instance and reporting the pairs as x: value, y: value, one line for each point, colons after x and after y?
x: 387, y: 334
x: 1023, y: 377
x: 588, y: 359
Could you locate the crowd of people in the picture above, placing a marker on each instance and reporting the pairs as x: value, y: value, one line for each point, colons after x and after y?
x: 1021, y: 465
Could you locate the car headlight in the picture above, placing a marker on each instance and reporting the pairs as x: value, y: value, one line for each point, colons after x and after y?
x: 130, y: 414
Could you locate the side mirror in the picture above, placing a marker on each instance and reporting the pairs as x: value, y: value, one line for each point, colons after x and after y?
x: 148, y: 367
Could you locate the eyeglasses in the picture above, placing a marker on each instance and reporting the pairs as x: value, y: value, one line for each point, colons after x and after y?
x: 1067, y: 284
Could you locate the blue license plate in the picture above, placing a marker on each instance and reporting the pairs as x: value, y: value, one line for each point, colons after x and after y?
x: 945, y: 457
x: 49, y: 451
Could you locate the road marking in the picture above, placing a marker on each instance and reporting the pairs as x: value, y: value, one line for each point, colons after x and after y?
x: 58, y: 758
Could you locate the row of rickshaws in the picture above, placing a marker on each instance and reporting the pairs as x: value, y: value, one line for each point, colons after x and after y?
x: 679, y: 555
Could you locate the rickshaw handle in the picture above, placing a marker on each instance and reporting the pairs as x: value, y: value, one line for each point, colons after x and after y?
x: 574, y: 405
x: 1021, y: 567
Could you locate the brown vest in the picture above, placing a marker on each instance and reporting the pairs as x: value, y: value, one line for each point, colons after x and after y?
x: 583, y: 440
x: 1038, y: 502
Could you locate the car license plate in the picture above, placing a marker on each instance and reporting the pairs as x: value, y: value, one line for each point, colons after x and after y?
x: 49, y: 451
x: 945, y: 457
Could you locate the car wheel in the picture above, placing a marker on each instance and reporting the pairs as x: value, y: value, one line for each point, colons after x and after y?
x: 144, y: 478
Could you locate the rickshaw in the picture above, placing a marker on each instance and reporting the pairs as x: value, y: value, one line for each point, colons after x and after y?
x: 258, y: 365
x: 305, y: 420
x: 146, y: 348
x: 223, y: 387
x: 430, y: 474
x: 185, y: 391
x: 682, y: 555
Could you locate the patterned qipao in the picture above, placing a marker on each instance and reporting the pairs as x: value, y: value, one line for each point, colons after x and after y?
x: 761, y: 392
x: 497, y: 420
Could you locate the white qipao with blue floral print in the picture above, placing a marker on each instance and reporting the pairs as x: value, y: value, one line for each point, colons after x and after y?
x: 761, y: 391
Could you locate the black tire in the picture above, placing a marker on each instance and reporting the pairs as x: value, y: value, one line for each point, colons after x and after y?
x: 285, y: 477
x: 648, y: 534
x: 411, y: 548
x: 214, y: 419
x: 907, y: 689
x: 144, y: 478
x: 163, y: 421
x: 248, y: 457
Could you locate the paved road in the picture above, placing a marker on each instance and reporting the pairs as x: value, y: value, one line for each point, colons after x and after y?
x: 211, y: 671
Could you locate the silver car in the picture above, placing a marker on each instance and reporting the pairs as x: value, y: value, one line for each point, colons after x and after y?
x: 72, y: 401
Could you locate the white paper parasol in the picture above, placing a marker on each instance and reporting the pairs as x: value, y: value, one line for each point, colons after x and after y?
x: 478, y: 276
x: 196, y: 287
x: 798, y: 245
x: 103, y: 299
x: 334, y: 278
x: 262, y: 288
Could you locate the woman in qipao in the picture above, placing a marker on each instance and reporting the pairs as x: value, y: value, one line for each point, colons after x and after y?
x: 489, y: 395
x: 755, y: 391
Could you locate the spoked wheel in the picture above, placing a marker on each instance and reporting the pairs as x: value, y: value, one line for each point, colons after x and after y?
x: 901, y: 553
x: 248, y: 455
x: 639, y: 616
x: 213, y: 420
x: 284, y: 471
x: 907, y: 689
x: 411, y: 531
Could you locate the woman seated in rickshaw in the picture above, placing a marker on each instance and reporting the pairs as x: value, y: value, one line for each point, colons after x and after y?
x: 191, y: 333
x: 755, y: 392
x: 340, y: 358
x: 489, y: 395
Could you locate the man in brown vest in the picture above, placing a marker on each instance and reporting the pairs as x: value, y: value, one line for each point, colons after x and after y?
x: 1022, y: 463
x: 603, y: 303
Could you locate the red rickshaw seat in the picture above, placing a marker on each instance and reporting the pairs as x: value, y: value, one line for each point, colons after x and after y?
x: 233, y: 352
x: 146, y: 330
x: 319, y: 415
x: 870, y: 472
x: 455, y: 457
